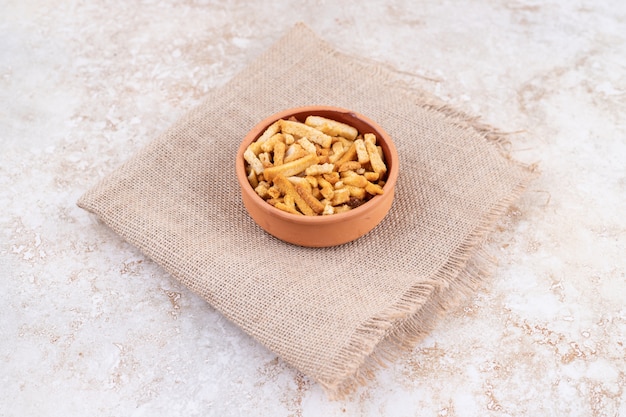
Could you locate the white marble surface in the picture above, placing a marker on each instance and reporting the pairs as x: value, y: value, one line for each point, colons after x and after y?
x: 91, y: 327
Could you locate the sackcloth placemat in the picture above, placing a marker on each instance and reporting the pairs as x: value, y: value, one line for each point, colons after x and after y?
x: 335, y: 314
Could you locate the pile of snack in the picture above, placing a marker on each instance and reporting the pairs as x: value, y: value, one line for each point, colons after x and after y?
x: 318, y: 167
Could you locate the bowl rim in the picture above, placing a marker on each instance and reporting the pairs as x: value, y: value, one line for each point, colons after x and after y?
x: 391, y: 155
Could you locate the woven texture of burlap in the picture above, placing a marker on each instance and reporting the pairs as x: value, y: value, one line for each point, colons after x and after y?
x: 334, y: 314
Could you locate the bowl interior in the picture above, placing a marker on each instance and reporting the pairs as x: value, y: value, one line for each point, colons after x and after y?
x: 360, y: 122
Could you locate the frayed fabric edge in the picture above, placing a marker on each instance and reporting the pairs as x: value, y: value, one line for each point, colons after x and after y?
x: 395, y: 332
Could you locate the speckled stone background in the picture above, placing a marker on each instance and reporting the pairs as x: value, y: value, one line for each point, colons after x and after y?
x: 91, y: 327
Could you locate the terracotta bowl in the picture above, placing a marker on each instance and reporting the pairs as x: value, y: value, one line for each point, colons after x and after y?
x: 327, y: 230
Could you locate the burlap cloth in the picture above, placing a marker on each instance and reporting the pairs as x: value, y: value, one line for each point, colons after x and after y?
x: 335, y: 314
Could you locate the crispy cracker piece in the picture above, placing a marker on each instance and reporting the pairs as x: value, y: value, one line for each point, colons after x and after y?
x: 273, y: 129
x: 268, y: 145
x: 321, y: 151
x: 349, y: 166
x: 274, y: 192
x: 361, y: 151
x: 356, y: 192
x: 288, y: 209
x: 338, y: 150
x: 374, y: 189
x: 255, y: 147
x: 279, y: 153
x: 375, y: 160
x: 369, y: 137
x: 289, y: 139
x: 342, y: 208
x: 323, y: 159
x: 301, y: 130
x: 349, y: 155
x: 273, y: 201
x: 265, y: 159
x: 252, y: 178
x: 328, y: 209
x: 371, y: 176
x: 307, y: 145
x: 288, y: 189
x: 307, y: 196
x: 326, y: 188
x: 332, y: 127
x: 262, y: 189
x: 346, y: 143
x: 254, y: 162
x: 289, y: 201
x: 355, y: 180
x: 341, y: 196
x: 319, y: 169
x: 332, y: 178
x: 295, y: 151
x: 294, y: 179
x: 290, y: 168
x: 312, y: 180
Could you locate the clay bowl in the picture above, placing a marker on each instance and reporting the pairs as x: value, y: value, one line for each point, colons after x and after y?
x: 327, y: 230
